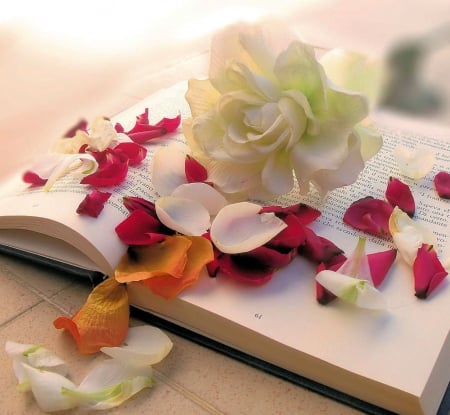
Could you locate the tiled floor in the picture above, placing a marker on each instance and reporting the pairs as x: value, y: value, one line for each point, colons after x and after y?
x: 191, y: 380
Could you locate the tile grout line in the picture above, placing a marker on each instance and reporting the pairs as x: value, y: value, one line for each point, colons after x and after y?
x: 159, y: 376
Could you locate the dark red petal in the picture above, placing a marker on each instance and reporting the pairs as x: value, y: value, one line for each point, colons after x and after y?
x: 428, y: 271
x: 245, y: 268
x: 33, y: 179
x: 290, y: 237
x: 379, y: 264
x: 272, y: 257
x: 139, y: 228
x: 318, y: 249
x: 194, y: 171
x: 304, y: 213
x: 369, y: 215
x: 93, y: 203
x: 399, y: 194
x: 442, y: 184
x: 134, y: 202
x: 133, y: 151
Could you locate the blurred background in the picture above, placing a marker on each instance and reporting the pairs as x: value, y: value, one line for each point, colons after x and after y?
x: 60, y: 61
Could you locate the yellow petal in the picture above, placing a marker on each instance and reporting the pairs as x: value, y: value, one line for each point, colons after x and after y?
x: 168, y: 257
x: 103, y: 319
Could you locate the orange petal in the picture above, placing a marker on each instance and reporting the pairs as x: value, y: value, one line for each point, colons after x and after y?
x: 102, y: 320
x: 200, y: 253
x: 168, y: 257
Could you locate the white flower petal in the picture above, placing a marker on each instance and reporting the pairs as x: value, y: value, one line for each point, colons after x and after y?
x: 188, y: 217
x: 408, y: 235
x: 416, y: 163
x: 240, y: 227
x: 168, y: 170
x: 109, y: 384
x: 36, y: 356
x: 355, y: 72
x: 358, y: 292
x: 47, y: 389
x: 143, y: 346
x: 82, y: 164
x: 209, y: 197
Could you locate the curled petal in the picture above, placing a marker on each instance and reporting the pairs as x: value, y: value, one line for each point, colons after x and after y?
x: 442, y: 184
x: 369, y: 215
x: 240, y: 227
x: 399, y: 194
x: 186, y: 216
x: 93, y: 204
x: 47, y: 389
x: 108, y: 385
x: 199, y: 254
x: 103, y: 319
x: 143, y: 346
x: 108, y: 174
x: 292, y: 236
x: 33, y: 179
x: 416, y: 163
x: 408, y: 235
x: 168, y: 257
x: 358, y: 292
x: 209, y: 197
x: 428, y: 271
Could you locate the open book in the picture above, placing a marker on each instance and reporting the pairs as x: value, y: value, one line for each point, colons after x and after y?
x: 398, y: 360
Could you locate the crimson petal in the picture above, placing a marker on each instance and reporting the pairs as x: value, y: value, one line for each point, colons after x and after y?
x: 428, y: 271
x: 290, y: 237
x: 34, y: 179
x: 93, y: 203
x: 133, y: 151
x: 194, y: 171
x: 140, y: 228
x: 111, y: 175
x: 399, y: 194
x: 379, y: 264
x: 369, y: 215
x: 442, y: 184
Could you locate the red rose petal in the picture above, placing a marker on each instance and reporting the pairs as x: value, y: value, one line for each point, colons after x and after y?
x: 133, y: 151
x: 442, y: 184
x: 379, y: 264
x: 33, y: 179
x: 369, y: 215
x: 428, y: 271
x: 317, y: 248
x: 194, y: 171
x: 140, y: 228
x: 93, y: 204
x: 399, y: 194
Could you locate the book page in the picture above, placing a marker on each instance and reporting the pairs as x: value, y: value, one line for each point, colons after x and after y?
x: 387, y: 347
